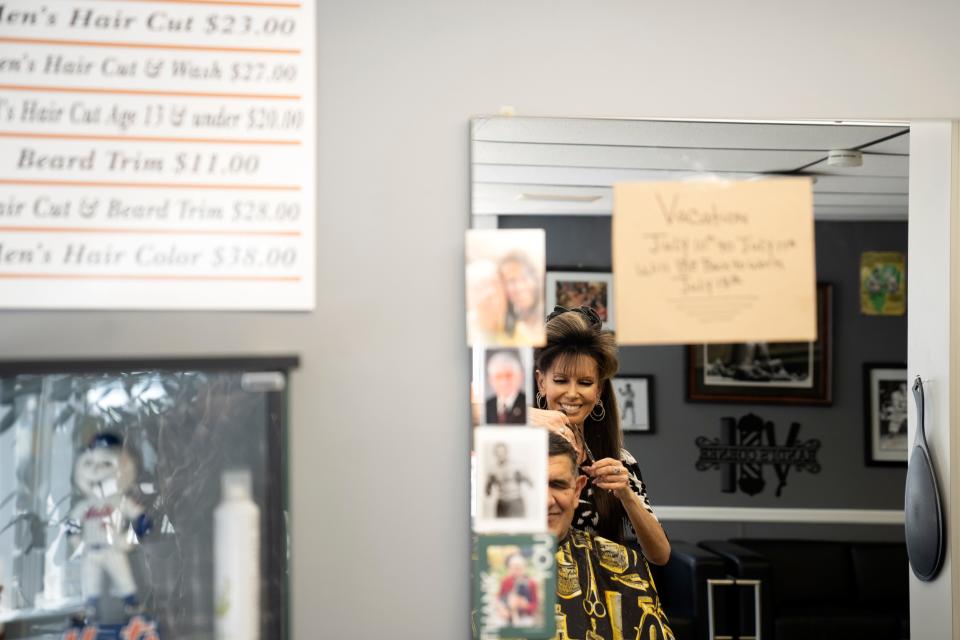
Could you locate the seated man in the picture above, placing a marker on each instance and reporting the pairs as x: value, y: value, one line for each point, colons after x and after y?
x: 604, y: 590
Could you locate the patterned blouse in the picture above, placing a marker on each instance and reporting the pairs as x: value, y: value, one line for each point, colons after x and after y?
x: 586, y: 516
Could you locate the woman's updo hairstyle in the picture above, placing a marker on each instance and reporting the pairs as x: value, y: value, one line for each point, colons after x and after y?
x: 573, y: 334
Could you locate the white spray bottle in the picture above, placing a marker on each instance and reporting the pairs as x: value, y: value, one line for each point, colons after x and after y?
x: 236, y: 567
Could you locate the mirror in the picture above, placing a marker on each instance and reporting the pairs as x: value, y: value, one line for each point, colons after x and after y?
x: 682, y: 404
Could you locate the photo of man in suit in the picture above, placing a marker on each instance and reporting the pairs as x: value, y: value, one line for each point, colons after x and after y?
x: 506, y: 402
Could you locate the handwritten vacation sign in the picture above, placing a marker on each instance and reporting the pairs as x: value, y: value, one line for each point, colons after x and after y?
x: 700, y: 262
x: 157, y: 155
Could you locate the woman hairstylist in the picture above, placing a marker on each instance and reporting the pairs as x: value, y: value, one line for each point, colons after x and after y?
x: 575, y: 397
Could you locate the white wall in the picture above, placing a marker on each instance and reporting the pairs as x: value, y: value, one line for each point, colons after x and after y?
x: 933, y: 343
x: 379, y: 480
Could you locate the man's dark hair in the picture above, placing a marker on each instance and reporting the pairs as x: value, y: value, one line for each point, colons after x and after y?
x: 560, y: 446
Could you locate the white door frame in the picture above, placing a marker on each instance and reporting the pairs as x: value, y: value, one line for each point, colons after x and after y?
x: 933, y: 349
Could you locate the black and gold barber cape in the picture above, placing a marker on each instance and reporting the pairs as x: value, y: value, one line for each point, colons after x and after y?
x: 605, y: 592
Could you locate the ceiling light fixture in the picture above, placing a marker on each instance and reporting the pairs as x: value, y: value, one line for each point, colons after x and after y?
x: 845, y: 158
x: 560, y: 197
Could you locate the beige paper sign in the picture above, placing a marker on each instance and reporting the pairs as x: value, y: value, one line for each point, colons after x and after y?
x: 697, y: 262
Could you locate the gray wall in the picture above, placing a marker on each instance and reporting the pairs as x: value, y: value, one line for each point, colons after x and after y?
x: 378, y: 485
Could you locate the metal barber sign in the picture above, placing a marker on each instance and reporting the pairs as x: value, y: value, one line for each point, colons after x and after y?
x: 747, y: 445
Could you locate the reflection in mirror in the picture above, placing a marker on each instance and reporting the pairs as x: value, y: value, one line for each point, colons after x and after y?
x: 567, y: 167
x: 757, y: 399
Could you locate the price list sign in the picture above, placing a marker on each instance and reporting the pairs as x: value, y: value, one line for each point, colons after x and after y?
x: 157, y: 154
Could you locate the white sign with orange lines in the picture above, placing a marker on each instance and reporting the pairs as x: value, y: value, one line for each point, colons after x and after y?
x: 157, y: 154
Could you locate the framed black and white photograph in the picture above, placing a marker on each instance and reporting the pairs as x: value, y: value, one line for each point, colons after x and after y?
x: 886, y: 394
x: 511, y: 479
x: 572, y: 289
x: 635, y: 402
x: 766, y: 372
x: 503, y: 378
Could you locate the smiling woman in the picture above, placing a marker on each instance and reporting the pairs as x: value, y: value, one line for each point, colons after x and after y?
x: 575, y: 398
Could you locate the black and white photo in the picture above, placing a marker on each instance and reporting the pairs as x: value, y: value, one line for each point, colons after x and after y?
x: 766, y: 372
x: 635, y: 402
x: 511, y: 479
x: 771, y: 364
x: 886, y: 396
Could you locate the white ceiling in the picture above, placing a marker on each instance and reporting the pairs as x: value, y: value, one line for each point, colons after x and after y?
x: 569, y: 165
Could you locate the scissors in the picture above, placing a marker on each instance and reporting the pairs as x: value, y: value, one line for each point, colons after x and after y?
x: 594, y: 607
x: 589, y: 461
x: 592, y: 604
x: 587, y: 452
x: 583, y: 443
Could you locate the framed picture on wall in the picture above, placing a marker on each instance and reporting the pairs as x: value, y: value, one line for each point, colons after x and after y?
x: 766, y: 372
x: 635, y: 402
x: 572, y: 289
x: 885, y: 395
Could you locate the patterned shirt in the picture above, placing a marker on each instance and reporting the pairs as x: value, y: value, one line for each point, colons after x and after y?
x: 586, y: 517
x: 604, y: 591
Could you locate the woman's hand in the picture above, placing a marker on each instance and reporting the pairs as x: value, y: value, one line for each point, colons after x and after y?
x: 557, y: 422
x: 610, y: 474
x: 553, y: 420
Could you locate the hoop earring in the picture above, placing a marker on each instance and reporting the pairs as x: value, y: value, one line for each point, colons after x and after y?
x: 603, y: 411
x: 539, y: 398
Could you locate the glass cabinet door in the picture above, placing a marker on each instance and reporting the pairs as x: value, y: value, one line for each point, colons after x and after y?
x: 146, y: 493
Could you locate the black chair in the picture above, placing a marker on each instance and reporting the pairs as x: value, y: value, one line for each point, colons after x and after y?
x: 824, y: 589
x: 682, y: 586
x: 740, y: 562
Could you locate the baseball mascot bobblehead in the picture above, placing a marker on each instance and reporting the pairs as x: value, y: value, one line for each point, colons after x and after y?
x: 98, y: 528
